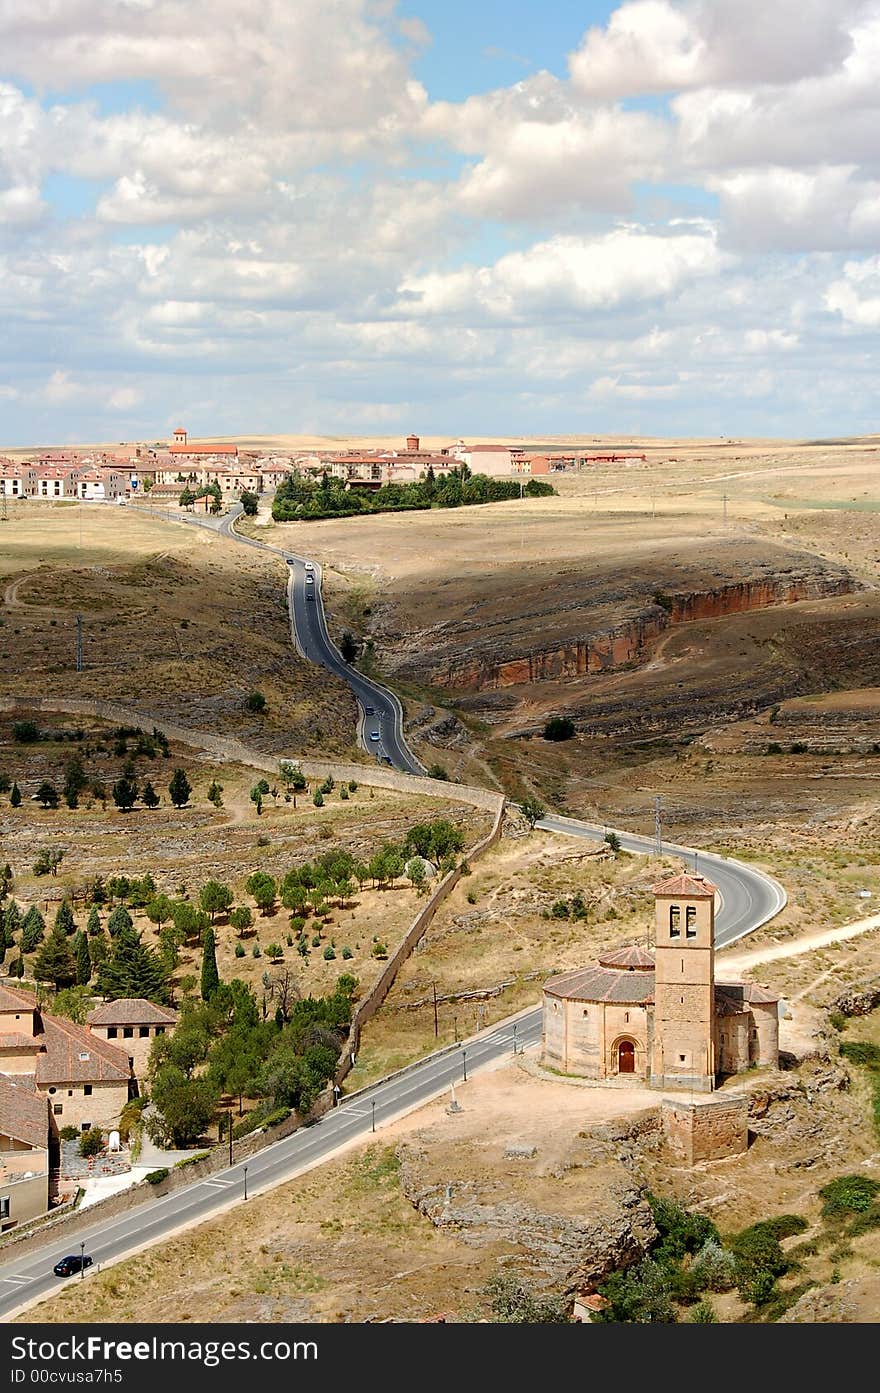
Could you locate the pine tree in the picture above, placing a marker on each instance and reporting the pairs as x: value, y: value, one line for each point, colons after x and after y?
x: 15, y: 796
x: 55, y: 962
x: 11, y: 922
x: 83, y: 958
x: 93, y: 923
x: 118, y: 920
x: 149, y: 797
x: 99, y: 948
x: 33, y: 928
x: 64, y: 918
x: 210, y: 975
x: 132, y: 969
x: 16, y: 968
x: 179, y: 788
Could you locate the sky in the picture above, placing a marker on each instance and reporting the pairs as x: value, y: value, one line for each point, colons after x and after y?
x: 250, y: 217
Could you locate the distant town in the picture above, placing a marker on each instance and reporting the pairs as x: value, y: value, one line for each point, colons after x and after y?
x: 162, y: 469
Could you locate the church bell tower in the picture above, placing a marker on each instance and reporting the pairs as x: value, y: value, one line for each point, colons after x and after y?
x: 683, y: 1055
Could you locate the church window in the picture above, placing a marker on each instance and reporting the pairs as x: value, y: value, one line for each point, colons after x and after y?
x: 674, y: 921
x: 625, y: 1017
x: 586, y: 1012
x: 682, y: 964
x: 690, y: 921
x: 682, y: 1059
x: 682, y: 1000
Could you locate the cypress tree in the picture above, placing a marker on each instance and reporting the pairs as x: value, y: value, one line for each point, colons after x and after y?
x: 15, y: 797
x: 54, y: 961
x: 93, y: 923
x: 33, y: 928
x: 83, y: 958
x: 210, y: 975
x: 179, y: 788
x: 120, y: 919
x: 64, y: 918
x: 99, y: 948
x: 11, y: 922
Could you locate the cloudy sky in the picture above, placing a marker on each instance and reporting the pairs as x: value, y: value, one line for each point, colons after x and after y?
x: 450, y: 216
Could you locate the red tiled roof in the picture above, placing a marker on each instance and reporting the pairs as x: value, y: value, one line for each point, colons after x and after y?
x: 631, y: 958
x: 24, y: 1113
x: 203, y: 449
x: 687, y: 886
x: 603, y: 984
x: 131, y: 1010
x: 65, y: 1052
x: 14, y: 999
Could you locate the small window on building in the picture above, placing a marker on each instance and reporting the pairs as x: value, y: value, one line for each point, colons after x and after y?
x: 682, y: 964
x: 52, y: 1090
x: 160, y: 1030
x: 87, y: 1090
x: 690, y: 916
x: 131, y: 1061
x: 85, y: 1126
x: 682, y: 1000
x: 58, y: 1109
x: 682, y: 1059
x: 625, y: 1017
x: 4, y: 1206
x: 127, y: 1032
x: 70, y: 1092
x: 690, y: 933
x: 143, y: 1031
x: 674, y: 921
x: 111, y: 1032
x: 586, y: 1012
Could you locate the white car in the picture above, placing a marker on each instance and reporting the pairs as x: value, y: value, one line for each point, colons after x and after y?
x: 309, y: 566
x: 310, y: 580
x: 374, y: 735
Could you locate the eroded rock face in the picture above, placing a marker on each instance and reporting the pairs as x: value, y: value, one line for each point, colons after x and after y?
x: 571, y: 1251
x: 631, y: 641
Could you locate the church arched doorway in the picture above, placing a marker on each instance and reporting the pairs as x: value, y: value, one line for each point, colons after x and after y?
x: 626, y: 1057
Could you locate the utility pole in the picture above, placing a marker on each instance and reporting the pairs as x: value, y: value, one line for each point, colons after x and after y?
x: 658, y: 827
x: 436, y: 1027
x: 229, y: 1121
x: 79, y: 643
x: 3, y: 515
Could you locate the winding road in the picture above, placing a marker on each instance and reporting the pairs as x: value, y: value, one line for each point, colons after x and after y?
x: 748, y: 898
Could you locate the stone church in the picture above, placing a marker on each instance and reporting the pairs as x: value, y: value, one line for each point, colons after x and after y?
x: 660, y: 1019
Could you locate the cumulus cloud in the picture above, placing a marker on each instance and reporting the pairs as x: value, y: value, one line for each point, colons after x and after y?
x: 856, y: 295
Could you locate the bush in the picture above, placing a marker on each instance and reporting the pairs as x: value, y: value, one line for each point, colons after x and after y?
x: 156, y: 1177
x: 256, y: 951
x: 329, y: 953
x: 713, y: 1268
x: 352, y: 785
x: 861, y: 1052
x: 346, y: 952
x: 69, y: 1133
x: 239, y: 950
x: 839, y: 1021
x: 848, y: 1194
x: 559, y: 728
x: 256, y: 702
x: 25, y: 732
x: 864, y: 1222
x: 191, y: 1160
x: 379, y: 950
x: 91, y: 1142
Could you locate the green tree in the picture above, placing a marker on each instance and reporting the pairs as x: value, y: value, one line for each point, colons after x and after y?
x: 264, y: 890
x: 55, y: 962
x: 187, y: 497
x: 15, y: 796
x: 93, y: 923
x: 185, y: 1106
x: 132, y: 969
x: 292, y: 776
x: 159, y: 910
x: 83, y: 958
x: 210, y: 976
x: 318, y: 799
x: 119, y: 919
x: 532, y: 810
x: 91, y: 1142
x: 64, y: 918
x: 33, y: 929
x: 215, y: 794
x: 415, y: 871
x: 559, y: 728
x: 74, y: 780
x: 48, y: 860
x: 255, y: 701
x: 180, y: 788
x: 47, y: 794
x: 257, y: 799
x: 150, y: 797
x: 215, y: 898
x: 125, y: 792
x: 74, y: 1003
x: 241, y: 919
x: 250, y: 502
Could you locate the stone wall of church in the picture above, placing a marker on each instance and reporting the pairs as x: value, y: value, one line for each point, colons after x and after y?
x: 765, y: 1034
x: 732, y: 1042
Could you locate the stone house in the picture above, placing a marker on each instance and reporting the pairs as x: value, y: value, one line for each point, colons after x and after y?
x: 132, y: 1024
x: 24, y: 1152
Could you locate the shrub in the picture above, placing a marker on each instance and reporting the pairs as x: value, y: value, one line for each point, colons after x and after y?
x: 864, y: 1222
x: 255, y: 951
x: 352, y: 785
x: 559, y: 728
x: 559, y: 909
x: 69, y: 1133
x: 318, y: 799
x: 861, y: 1052
x: 191, y: 1160
x: 316, y: 941
x: 703, y: 1314
x: 25, y: 732
x: 156, y: 1177
x: 346, y: 952
x: 713, y: 1268
x: 839, y: 1021
x: 239, y: 950
x: 329, y: 953
x: 848, y: 1194
x: 379, y: 950
x: 91, y: 1142
x: 256, y: 702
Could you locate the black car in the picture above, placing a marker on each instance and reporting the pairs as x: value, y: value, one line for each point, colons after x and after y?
x: 370, y: 710
x: 72, y: 1263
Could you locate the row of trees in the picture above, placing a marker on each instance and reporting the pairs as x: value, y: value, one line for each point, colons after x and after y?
x: 300, y: 497
x: 125, y: 791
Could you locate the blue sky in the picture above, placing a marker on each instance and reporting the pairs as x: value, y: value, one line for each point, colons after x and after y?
x: 359, y: 216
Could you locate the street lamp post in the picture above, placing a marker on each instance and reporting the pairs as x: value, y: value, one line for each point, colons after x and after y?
x: 229, y: 1119
x: 464, y: 1066
x: 373, y: 1116
x: 82, y: 1263
x: 245, y: 1182
x: 514, y: 1037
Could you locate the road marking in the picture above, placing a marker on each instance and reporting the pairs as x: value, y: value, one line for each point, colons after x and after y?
x: 18, y: 1281
x: 219, y: 1184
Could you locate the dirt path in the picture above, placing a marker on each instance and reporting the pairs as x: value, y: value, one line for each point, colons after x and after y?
x: 808, y: 943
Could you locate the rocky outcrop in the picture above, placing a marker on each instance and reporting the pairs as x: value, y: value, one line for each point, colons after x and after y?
x: 631, y: 641
x: 859, y: 1003
x: 572, y: 1251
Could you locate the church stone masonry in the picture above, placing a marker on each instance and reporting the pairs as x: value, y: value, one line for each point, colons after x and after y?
x: 661, y: 1019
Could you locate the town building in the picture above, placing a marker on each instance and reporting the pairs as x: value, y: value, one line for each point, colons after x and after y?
x: 24, y: 1152
x: 102, y: 485
x: 17, y: 479
x: 660, y: 1018
x: 86, y: 1079
x: 57, y: 480
x: 132, y: 1024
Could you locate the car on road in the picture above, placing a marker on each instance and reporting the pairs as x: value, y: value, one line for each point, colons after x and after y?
x: 375, y: 735
x: 370, y: 710
x: 310, y: 580
x: 309, y: 566
x: 310, y: 594
x: 72, y: 1263
x: 386, y: 760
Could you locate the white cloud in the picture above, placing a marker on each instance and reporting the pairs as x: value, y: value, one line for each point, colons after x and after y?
x: 856, y: 295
